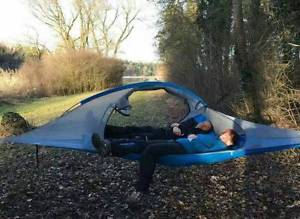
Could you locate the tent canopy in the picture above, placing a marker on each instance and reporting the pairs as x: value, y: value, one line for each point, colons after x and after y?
x: 74, y: 128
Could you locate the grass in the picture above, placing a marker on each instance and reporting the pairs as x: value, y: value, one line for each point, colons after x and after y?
x: 39, y: 111
x: 148, y: 108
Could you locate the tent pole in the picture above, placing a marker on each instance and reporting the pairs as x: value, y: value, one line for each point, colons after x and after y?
x: 37, y: 156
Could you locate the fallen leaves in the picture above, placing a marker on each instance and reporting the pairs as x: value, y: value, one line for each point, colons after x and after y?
x: 72, y: 184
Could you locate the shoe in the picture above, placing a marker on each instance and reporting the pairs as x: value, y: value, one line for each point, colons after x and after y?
x: 102, y: 147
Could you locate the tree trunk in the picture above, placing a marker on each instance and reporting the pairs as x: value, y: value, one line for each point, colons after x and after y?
x: 241, y: 56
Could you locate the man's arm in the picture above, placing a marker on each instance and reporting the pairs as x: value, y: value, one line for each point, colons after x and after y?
x: 188, y: 124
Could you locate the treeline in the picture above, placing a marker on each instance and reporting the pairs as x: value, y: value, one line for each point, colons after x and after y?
x: 140, y: 69
x: 240, y: 55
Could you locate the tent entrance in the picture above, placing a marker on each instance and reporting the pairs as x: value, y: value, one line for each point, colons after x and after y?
x: 157, y: 108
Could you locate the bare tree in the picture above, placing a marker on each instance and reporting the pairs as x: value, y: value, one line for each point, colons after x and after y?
x: 98, y: 23
x: 112, y: 26
x: 129, y: 17
x: 51, y: 13
x: 86, y: 10
x: 106, y: 19
x: 33, y: 40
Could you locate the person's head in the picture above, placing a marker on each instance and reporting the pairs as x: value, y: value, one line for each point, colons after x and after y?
x: 229, y: 137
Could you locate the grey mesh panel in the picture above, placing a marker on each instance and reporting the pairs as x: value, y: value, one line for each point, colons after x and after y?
x: 74, y: 129
x: 262, y: 136
x: 221, y: 121
x: 191, y: 101
x: 256, y: 135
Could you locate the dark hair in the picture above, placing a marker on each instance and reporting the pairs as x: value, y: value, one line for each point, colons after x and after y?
x: 235, y: 136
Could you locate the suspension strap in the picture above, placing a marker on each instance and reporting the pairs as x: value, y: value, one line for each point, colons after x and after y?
x: 37, y: 156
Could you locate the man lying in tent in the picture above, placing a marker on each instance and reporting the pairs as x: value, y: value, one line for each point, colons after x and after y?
x: 198, y: 124
x: 151, y: 151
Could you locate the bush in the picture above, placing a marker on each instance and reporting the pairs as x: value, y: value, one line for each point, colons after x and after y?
x: 13, y: 124
x: 11, y: 85
x: 10, y: 58
x: 70, y: 72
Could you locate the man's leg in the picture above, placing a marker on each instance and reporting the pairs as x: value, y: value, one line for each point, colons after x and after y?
x: 149, y: 159
x: 121, y: 148
x: 126, y: 132
x: 134, y: 131
x: 161, y: 133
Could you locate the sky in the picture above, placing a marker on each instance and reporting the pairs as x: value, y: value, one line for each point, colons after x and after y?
x: 18, y: 25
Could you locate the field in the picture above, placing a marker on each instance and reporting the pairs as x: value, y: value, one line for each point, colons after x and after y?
x: 39, y: 111
x: 70, y: 184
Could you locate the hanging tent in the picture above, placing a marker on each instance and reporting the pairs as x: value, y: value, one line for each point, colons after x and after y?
x: 74, y: 128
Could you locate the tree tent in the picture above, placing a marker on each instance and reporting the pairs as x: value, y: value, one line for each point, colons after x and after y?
x: 74, y: 128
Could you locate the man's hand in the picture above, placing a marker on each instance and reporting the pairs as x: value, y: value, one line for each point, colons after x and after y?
x: 174, y: 125
x: 192, y: 136
x: 177, y: 131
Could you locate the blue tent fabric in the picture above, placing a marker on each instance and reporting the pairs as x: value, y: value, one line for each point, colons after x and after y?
x: 74, y: 128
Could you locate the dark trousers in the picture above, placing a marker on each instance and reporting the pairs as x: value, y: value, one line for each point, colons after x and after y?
x: 150, y: 152
x: 148, y: 132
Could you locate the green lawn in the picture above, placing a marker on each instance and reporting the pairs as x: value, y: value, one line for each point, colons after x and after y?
x: 148, y: 108
x: 41, y: 110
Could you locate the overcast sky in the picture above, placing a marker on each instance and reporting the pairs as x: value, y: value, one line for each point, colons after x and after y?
x: 17, y: 23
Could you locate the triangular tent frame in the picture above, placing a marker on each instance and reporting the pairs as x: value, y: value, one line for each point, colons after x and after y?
x: 74, y: 128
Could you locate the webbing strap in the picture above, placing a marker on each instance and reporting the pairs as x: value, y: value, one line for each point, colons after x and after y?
x: 37, y: 156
